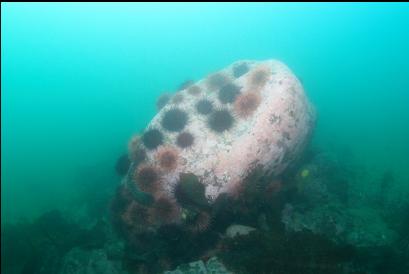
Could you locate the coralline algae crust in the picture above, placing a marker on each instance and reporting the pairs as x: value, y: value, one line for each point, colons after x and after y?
x: 270, y: 137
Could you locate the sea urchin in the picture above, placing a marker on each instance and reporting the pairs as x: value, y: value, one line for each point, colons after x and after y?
x: 163, y: 100
x: 240, y: 69
x: 139, y: 156
x: 186, y: 84
x: 204, y: 106
x: 247, y: 103
x: 228, y: 93
x: 167, y: 158
x: 174, y: 119
x: 194, y: 90
x: 147, y: 178
x: 177, y: 99
x: 220, y: 120
x: 164, y: 211
x: 135, y: 215
x: 259, y: 76
x: 216, y: 81
x: 184, y: 140
x: 152, y: 138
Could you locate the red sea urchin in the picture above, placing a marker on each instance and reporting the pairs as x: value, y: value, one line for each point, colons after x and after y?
x: 136, y: 153
x: 259, y: 76
x: 147, y: 178
x: 168, y: 158
x: 135, y: 215
x: 247, y: 103
x: 164, y: 211
x: 133, y: 144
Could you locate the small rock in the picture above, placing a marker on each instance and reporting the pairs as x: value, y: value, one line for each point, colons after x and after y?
x: 214, y: 266
x: 197, y: 267
x: 238, y: 230
x: 79, y: 261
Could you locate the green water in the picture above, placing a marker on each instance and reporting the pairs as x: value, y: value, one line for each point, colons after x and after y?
x: 79, y: 79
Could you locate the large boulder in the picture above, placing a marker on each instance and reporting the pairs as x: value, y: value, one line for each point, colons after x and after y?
x: 213, y: 133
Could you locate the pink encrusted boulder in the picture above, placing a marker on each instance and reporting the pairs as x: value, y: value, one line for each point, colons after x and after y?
x: 250, y: 114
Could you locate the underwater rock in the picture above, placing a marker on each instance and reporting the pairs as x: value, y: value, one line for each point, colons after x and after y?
x: 213, y: 266
x: 193, y: 267
x: 79, y: 261
x: 359, y: 227
x: 238, y: 230
x: 259, y: 118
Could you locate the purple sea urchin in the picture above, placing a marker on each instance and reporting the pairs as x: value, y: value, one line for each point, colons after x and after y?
x: 152, y: 138
x: 240, y: 69
x: 177, y: 99
x: 186, y: 84
x: 228, y: 93
x: 194, y: 90
x: 174, y: 119
x: 220, y: 120
x: 138, y: 156
x: 204, y: 106
x: 122, y: 164
x: 184, y: 140
x: 163, y: 100
x: 216, y: 80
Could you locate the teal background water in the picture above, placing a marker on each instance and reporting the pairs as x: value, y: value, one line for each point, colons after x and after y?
x: 79, y: 79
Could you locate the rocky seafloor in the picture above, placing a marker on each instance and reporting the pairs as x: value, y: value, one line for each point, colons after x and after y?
x: 316, y: 212
x: 313, y: 219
